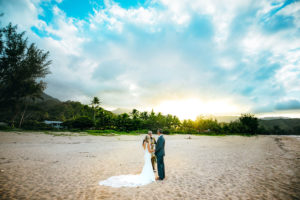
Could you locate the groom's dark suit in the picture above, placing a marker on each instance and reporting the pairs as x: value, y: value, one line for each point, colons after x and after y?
x: 160, y: 153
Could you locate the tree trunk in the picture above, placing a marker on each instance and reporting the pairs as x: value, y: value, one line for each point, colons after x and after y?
x: 94, y: 116
x: 22, y: 117
x: 14, y: 110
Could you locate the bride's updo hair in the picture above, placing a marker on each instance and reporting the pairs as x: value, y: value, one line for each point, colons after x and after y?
x: 147, y: 139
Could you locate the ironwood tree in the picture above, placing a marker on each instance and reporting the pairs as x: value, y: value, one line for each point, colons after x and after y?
x: 22, y: 67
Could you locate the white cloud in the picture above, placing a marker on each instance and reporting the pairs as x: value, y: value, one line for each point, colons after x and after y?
x: 115, y: 16
x: 289, y: 77
x: 139, y: 57
x: 221, y: 12
x: 14, y: 12
x: 227, y: 63
x: 293, y: 10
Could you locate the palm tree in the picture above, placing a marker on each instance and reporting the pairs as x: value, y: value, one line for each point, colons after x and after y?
x: 135, y: 113
x: 95, y: 104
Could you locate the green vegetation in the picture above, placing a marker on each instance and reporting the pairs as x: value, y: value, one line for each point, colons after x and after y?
x: 98, y: 121
x: 281, y: 126
x: 114, y: 132
x: 21, y: 68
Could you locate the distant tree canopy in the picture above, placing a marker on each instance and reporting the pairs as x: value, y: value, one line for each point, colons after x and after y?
x: 22, y: 66
x: 76, y: 115
x: 79, y: 123
x: 249, y: 123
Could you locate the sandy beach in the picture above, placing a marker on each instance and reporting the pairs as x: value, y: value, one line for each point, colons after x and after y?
x: 41, y: 166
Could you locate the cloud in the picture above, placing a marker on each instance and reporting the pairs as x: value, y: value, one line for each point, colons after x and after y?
x: 288, y: 105
x: 289, y: 77
x: 138, y: 55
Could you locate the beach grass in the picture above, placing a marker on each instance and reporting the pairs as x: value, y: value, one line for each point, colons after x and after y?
x: 114, y: 132
x: 109, y: 132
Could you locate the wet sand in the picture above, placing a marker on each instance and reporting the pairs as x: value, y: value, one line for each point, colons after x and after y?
x: 41, y: 166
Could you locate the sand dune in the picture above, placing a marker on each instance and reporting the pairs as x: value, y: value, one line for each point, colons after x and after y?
x: 39, y: 166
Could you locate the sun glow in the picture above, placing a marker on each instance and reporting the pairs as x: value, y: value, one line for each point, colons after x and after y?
x: 191, y: 108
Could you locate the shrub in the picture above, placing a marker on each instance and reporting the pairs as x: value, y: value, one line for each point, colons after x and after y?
x: 80, y: 123
x: 4, y: 126
x: 249, y: 123
x: 68, y: 124
x: 35, y: 125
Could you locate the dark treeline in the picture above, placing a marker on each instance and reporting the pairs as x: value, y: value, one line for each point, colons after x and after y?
x: 77, y: 116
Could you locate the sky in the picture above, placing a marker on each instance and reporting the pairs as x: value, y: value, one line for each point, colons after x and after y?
x: 183, y: 57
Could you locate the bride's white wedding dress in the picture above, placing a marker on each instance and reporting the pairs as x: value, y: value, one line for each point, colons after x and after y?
x: 146, y: 177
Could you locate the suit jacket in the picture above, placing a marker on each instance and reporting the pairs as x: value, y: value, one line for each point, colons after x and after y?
x: 160, y: 147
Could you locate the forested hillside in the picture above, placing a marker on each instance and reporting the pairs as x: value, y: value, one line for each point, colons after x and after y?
x: 281, y: 126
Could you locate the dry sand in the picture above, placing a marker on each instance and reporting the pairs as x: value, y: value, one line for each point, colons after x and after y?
x: 40, y: 166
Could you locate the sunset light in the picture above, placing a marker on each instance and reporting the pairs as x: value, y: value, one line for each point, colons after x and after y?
x: 193, y: 107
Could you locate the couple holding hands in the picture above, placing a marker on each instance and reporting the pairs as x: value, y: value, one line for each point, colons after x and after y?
x: 157, y: 150
x: 154, y: 151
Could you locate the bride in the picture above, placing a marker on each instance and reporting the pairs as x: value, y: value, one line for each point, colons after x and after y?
x: 144, y: 178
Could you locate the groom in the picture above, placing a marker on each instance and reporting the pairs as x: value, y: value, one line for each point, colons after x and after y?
x: 160, y: 153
